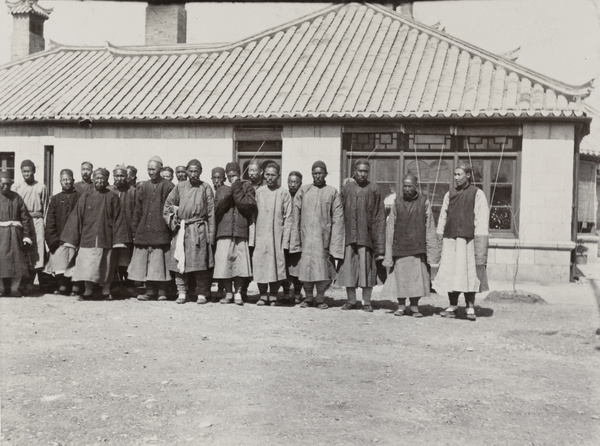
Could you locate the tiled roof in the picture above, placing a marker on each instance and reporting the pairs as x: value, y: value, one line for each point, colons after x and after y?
x: 27, y: 7
x: 349, y: 60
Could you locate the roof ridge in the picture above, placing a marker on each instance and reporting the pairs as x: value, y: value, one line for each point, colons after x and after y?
x: 582, y: 90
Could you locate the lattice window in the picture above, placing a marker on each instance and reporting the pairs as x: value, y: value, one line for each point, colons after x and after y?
x: 375, y: 142
x: 429, y: 142
x: 489, y: 143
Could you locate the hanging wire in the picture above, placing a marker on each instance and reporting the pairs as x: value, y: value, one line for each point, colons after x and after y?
x: 470, y: 160
x: 351, y: 147
x: 497, y: 175
x: 253, y: 158
x: 418, y: 169
x: 437, y: 173
x: 371, y: 153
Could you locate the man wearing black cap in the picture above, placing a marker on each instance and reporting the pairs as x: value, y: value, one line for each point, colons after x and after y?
x: 189, y: 212
x: 273, y: 223
x: 35, y: 196
x: 127, y: 195
x: 234, y: 209
x: 15, y: 234
x: 151, y: 235
x: 96, y: 227
x: 62, y: 259
x: 318, y: 234
x: 364, y: 217
x: 292, y: 287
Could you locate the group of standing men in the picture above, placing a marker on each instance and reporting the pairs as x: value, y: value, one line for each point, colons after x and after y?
x: 302, y: 236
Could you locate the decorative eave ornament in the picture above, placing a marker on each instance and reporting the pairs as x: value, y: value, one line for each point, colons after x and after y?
x: 27, y: 7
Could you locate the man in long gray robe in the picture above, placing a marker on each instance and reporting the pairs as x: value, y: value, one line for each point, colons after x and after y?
x: 318, y: 234
x: 35, y: 196
x: 189, y: 212
x: 273, y: 223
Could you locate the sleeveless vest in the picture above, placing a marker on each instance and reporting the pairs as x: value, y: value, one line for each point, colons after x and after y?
x: 410, y: 227
x: 460, y: 220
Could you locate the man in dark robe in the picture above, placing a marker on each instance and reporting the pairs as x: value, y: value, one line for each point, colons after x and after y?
x: 126, y: 194
x: 189, y: 212
x: 364, y: 217
x: 96, y: 228
x: 86, y: 184
x: 234, y: 207
x: 151, y: 235
x: 292, y: 287
x: 15, y: 233
x: 62, y: 259
x: 318, y: 235
x: 256, y: 178
x: 411, y: 243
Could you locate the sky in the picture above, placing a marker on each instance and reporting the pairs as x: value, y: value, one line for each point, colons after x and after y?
x: 558, y: 38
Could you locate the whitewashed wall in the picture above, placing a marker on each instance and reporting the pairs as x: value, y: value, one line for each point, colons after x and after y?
x: 545, y: 209
x: 306, y: 143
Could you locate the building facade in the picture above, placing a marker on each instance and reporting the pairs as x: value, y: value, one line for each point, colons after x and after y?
x: 354, y: 80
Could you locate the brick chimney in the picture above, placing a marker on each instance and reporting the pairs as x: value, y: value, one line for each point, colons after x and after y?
x: 166, y: 23
x: 28, y: 27
x: 404, y: 8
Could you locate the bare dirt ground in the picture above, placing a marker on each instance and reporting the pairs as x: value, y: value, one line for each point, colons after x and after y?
x: 155, y: 373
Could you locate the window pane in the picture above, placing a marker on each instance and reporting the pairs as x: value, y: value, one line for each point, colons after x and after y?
x: 501, y: 195
x: 505, y: 174
x: 500, y: 218
x: 385, y: 170
x: 420, y: 169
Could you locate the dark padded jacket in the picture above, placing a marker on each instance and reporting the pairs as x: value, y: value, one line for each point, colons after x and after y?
x: 234, y: 207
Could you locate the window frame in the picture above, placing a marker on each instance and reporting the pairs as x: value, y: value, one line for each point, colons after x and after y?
x: 403, y: 155
x: 257, y: 135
